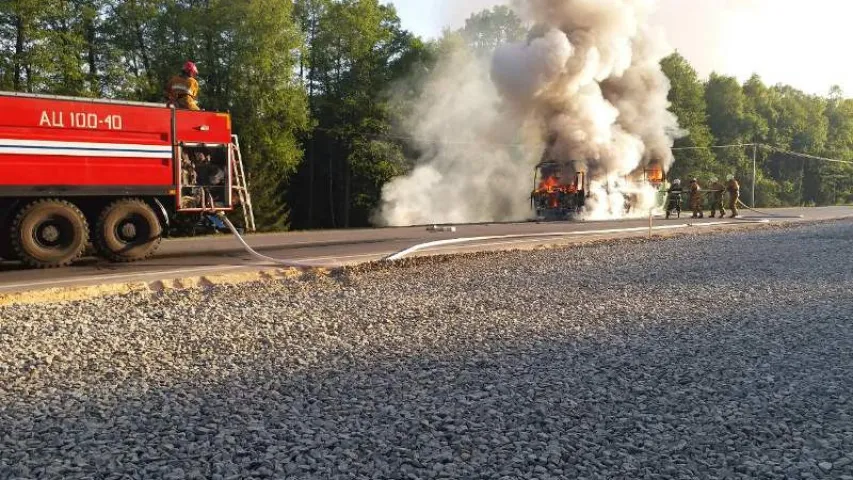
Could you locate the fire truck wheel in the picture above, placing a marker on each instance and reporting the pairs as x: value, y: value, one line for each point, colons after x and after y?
x: 128, y: 231
x: 49, y: 234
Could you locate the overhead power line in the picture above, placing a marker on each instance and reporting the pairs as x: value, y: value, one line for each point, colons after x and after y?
x: 714, y: 147
x: 755, y: 147
x: 769, y: 147
x: 385, y: 136
x: 804, y: 155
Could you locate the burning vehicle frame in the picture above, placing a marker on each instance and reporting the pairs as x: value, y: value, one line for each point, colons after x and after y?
x: 552, y: 198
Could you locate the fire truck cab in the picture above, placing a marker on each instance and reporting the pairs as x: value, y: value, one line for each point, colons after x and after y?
x: 76, y: 172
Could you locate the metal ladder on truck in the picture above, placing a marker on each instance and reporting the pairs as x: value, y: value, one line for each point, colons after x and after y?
x: 241, y: 185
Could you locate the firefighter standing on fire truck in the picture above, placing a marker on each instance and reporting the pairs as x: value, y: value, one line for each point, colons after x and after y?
x: 182, y: 89
x: 696, y: 199
x: 717, y: 191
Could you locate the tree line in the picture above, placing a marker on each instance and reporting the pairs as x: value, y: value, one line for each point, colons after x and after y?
x: 315, y: 88
x: 720, y: 111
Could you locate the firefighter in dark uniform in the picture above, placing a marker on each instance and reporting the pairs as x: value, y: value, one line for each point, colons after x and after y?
x: 696, y: 199
x: 182, y: 90
x: 673, y: 202
x: 717, y: 191
x: 733, y: 187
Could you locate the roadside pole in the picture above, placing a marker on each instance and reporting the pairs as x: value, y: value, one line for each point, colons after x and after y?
x: 754, y: 170
x: 651, y: 215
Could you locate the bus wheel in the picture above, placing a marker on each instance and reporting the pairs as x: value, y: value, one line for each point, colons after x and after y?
x: 49, y: 234
x: 128, y: 231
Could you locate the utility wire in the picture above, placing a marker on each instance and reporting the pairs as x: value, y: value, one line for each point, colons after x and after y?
x: 813, y: 157
x: 385, y: 136
x: 713, y: 147
x: 770, y: 147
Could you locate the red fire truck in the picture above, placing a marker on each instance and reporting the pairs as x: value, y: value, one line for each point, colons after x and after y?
x: 78, y: 172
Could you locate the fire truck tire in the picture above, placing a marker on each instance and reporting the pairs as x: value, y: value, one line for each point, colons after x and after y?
x: 128, y: 231
x: 49, y: 234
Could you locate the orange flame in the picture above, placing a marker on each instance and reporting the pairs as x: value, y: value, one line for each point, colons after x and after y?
x: 552, y: 187
x: 549, y: 185
x: 655, y: 174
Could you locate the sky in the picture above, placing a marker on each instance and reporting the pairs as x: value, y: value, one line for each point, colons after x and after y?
x: 802, y: 43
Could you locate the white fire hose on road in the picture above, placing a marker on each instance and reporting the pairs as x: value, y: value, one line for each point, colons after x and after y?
x: 745, y: 206
x: 530, y: 236
x: 456, y: 241
x: 252, y: 251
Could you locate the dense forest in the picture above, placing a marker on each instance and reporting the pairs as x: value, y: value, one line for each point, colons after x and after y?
x: 316, y: 89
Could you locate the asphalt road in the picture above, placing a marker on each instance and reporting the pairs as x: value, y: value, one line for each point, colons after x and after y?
x: 223, y: 254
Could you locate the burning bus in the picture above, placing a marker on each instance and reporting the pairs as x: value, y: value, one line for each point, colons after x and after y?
x: 557, y: 194
x: 562, y: 193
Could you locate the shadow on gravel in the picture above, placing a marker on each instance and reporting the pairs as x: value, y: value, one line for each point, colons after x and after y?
x: 709, y: 389
x: 710, y: 400
x: 718, y: 261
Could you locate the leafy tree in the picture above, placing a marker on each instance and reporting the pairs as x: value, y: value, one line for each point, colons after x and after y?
x: 357, y: 53
x: 130, y: 56
x: 801, y: 126
x: 7, y: 46
x: 726, y: 109
x: 836, y: 180
x: 64, y: 43
x: 730, y: 124
x: 21, y: 20
x: 687, y: 96
x: 269, y: 104
x: 488, y: 29
x: 760, y: 110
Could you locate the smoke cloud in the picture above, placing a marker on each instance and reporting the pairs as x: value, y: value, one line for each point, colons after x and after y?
x: 585, y: 90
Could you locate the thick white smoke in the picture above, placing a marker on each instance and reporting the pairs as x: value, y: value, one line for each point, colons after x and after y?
x: 586, y: 89
x: 469, y: 170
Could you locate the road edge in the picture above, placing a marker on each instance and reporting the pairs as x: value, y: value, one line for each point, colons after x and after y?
x: 75, y: 294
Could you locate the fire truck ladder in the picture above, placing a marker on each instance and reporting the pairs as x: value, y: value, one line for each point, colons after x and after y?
x: 241, y: 186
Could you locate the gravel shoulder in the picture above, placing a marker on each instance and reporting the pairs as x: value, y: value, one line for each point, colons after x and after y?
x: 709, y: 356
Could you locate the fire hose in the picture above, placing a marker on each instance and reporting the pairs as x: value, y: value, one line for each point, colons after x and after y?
x: 752, y: 209
x: 292, y: 264
x: 747, y: 207
x: 252, y: 251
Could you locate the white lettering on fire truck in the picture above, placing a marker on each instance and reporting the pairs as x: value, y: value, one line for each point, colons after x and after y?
x: 56, y: 120
x: 90, y: 121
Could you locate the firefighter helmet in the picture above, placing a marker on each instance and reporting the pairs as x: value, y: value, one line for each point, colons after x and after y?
x: 191, y: 69
x: 730, y: 177
x: 677, y: 181
x: 714, y: 179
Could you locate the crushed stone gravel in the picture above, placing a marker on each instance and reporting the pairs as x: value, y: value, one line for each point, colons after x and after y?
x: 710, y: 357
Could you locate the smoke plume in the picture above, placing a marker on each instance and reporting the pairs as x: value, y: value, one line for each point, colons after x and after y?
x: 584, y: 90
